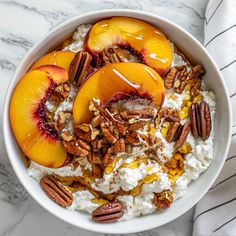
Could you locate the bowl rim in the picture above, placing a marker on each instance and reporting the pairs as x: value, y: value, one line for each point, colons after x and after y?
x: 101, y: 13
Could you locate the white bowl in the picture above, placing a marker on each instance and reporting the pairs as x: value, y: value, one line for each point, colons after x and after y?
x: 196, y: 189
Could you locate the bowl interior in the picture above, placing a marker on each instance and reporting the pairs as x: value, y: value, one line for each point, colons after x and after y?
x: 195, y: 190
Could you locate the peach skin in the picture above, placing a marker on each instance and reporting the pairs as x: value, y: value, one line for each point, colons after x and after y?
x: 36, y: 138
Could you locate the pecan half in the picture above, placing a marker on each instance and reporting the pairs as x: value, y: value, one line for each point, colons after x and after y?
x: 109, y: 212
x: 205, y: 117
x: 170, y: 78
x: 163, y: 200
x: 183, y: 136
x: 112, y: 54
x: 172, y: 132
x: 56, y: 190
x: 79, y: 67
x: 194, y: 115
x: 200, y: 118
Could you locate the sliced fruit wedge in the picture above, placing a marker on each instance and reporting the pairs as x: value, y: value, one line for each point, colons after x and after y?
x: 141, y: 38
x: 58, y: 58
x: 113, y: 81
x: 36, y: 138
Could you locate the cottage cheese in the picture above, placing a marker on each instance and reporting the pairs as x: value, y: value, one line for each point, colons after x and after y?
x: 78, y: 38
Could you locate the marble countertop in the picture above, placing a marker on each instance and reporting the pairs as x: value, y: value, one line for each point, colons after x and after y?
x: 22, y: 23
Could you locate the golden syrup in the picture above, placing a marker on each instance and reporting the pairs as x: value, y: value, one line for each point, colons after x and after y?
x: 198, y: 98
x: 111, y: 196
x: 135, y: 163
x: 32, y: 138
x: 131, y: 165
x: 150, y: 178
x: 137, y: 190
x: 165, y: 129
x: 99, y: 201
x: 149, y: 168
x: 184, y: 112
x: 186, y: 148
x: 109, y: 168
x: 54, y: 58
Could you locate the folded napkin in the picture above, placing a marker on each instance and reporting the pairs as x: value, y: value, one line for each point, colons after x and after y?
x: 215, y: 214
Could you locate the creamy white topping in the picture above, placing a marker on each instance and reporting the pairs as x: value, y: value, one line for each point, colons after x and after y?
x: 78, y: 37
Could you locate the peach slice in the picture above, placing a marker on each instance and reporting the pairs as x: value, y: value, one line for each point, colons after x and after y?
x: 59, y: 58
x: 141, y: 38
x: 27, y: 116
x: 111, y: 81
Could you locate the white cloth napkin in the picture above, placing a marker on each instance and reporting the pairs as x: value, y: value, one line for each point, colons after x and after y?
x: 215, y: 214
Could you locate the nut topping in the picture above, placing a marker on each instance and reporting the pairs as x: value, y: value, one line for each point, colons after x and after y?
x: 76, y: 147
x: 108, y: 134
x: 60, y: 93
x: 170, y: 78
x: 163, y: 200
x: 109, y: 212
x: 56, y: 190
x: 200, y: 118
x: 172, y: 132
x: 176, y: 77
x: 169, y: 114
x: 137, y: 125
x: 205, y: 117
x: 112, y: 54
x: 195, y: 79
x: 79, y: 67
x: 183, y: 136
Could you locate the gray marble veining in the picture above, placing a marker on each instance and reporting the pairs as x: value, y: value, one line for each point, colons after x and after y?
x: 22, y: 23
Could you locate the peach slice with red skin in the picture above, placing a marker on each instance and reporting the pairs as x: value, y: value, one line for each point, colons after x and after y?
x: 36, y: 138
x: 58, y: 58
x: 115, y: 79
x: 141, y: 38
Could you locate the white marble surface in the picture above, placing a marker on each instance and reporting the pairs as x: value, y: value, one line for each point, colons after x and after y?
x: 22, y: 23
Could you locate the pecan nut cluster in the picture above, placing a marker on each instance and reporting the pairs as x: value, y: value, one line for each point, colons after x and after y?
x: 178, y: 78
x: 109, y: 132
